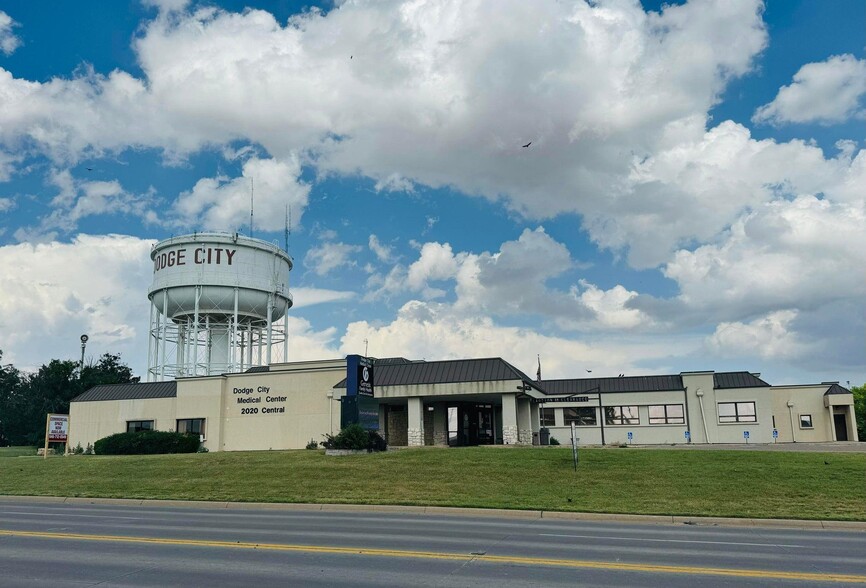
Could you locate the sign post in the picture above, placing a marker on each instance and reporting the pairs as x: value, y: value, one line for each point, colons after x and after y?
x: 630, y: 437
x: 775, y: 435
x: 574, y: 447
x: 56, y: 430
x: 688, y: 436
x: 746, y: 436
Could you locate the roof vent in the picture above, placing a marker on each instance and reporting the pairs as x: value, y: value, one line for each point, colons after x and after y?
x: 756, y: 374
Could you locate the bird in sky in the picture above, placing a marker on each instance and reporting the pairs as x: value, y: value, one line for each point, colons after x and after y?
x: 89, y: 169
x: 527, y: 145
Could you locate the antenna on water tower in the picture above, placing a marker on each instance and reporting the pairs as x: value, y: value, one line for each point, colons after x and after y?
x: 288, y: 227
x: 252, y: 192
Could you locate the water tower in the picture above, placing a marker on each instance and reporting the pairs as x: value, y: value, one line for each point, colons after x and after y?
x: 216, y: 299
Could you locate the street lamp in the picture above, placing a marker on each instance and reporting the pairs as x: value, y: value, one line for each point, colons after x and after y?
x: 84, y: 339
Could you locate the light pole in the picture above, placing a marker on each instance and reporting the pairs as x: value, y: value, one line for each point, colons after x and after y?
x: 83, y: 345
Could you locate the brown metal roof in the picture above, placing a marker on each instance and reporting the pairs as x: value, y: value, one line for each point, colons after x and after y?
x: 724, y: 380
x: 837, y: 389
x: 388, y: 372
x: 129, y: 392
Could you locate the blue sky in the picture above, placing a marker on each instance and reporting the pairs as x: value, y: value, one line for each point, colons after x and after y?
x: 692, y: 199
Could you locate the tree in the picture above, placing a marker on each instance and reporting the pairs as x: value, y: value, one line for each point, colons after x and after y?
x: 10, y: 390
x: 859, y: 393
x: 49, y: 390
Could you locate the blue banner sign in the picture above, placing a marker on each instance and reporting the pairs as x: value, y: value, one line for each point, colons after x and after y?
x: 359, y: 376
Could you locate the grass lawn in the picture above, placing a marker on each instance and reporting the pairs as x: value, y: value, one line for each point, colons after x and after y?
x: 17, y: 451
x: 708, y: 483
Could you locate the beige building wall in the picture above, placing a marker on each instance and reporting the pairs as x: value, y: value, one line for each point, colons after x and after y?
x: 284, y: 408
x: 91, y: 421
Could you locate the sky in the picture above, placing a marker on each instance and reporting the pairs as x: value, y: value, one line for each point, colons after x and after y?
x: 613, y: 186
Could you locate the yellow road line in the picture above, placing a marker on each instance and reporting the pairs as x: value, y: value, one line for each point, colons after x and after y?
x: 505, y: 559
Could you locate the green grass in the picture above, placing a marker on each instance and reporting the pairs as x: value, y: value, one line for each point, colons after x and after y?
x: 700, y: 483
x: 17, y: 451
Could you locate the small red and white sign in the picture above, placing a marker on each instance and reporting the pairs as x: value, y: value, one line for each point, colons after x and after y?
x: 58, y: 428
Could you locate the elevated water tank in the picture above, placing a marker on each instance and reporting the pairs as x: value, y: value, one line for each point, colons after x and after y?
x: 216, y: 299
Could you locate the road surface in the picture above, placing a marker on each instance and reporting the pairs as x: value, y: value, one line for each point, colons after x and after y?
x: 44, y: 544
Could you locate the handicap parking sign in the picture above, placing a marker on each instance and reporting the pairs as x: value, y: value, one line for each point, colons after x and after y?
x: 630, y: 435
x: 746, y: 434
x: 688, y: 436
x: 775, y: 433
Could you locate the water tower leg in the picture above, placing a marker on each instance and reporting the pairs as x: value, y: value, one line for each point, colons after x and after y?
x: 151, y: 363
x: 195, y: 333
x: 163, y: 334
x: 234, y: 342
x: 286, y: 336
x: 270, y: 327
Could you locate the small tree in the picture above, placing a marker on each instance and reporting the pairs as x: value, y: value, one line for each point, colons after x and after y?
x: 859, y: 393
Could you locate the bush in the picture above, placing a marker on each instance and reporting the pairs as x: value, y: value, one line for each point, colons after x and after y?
x: 88, y: 450
x: 79, y: 450
x: 312, y: 445
x: 554, y: 441
x: 147, y: 443
x: 355, y: 437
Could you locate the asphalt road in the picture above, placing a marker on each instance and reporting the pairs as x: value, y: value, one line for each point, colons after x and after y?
x: 44, y: 544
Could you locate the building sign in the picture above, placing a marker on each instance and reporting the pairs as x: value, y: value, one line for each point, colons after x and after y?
x: 259, y: 400
x: 359, y: 376
x: 360, y: 409
x: 58, y: 428
x: 565, y: 399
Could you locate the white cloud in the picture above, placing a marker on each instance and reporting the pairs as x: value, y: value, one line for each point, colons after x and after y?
x: 77, y: 199
x: 6, y: 204
x: 303, y: 297
x: 441, y: 94
x: 428, y: 330
x: 329, y: 256
x: 767, y: 337
x: 223, y: 203
x: 306, y: 344
x: 8, y: 41
x: 826, y: 92
x: 384, y: 253
x: 54, y: 292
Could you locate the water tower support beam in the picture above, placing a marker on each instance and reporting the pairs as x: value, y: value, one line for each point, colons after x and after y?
x: 151, y: 363
x: 270, y: 326
x: 286, y: 336
x: 164, y: 335
x: 234, y: 342
x: 195, y: 333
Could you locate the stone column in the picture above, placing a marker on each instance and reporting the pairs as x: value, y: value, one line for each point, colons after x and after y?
x: 535, y: 419
x: 415, y: 431
x: 509, y: 419
x: 524, y: 424
x: 440, y: 425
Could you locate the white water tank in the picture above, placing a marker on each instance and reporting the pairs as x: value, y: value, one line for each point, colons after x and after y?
x: 216, y: 299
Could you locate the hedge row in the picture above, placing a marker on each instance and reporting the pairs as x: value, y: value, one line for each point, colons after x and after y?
x: 147, y: 443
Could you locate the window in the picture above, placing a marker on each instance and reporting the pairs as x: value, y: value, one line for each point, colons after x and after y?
x: 621, y: 415
x: 136, y: 426
x: 548, y: 417
x: 667, y: 414
x: 191, y: 426
x: 582, y: 417
x: 737, y: 412
x: 805, y: 421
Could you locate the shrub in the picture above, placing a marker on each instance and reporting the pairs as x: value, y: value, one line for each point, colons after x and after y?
x: 554, y: 441
x: 79, y: 450
x: 146, y: 443
x: 355, y: 437
x: 88, y: 450
x: 312, y: 445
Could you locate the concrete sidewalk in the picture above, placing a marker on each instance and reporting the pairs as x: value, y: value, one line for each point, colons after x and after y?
x: 834, y: 447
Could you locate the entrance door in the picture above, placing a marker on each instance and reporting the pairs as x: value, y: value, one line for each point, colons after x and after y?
x: 841, y: 424
x: 476, y: 426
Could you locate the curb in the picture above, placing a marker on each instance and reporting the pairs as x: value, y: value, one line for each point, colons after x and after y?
x: 459, y: 512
